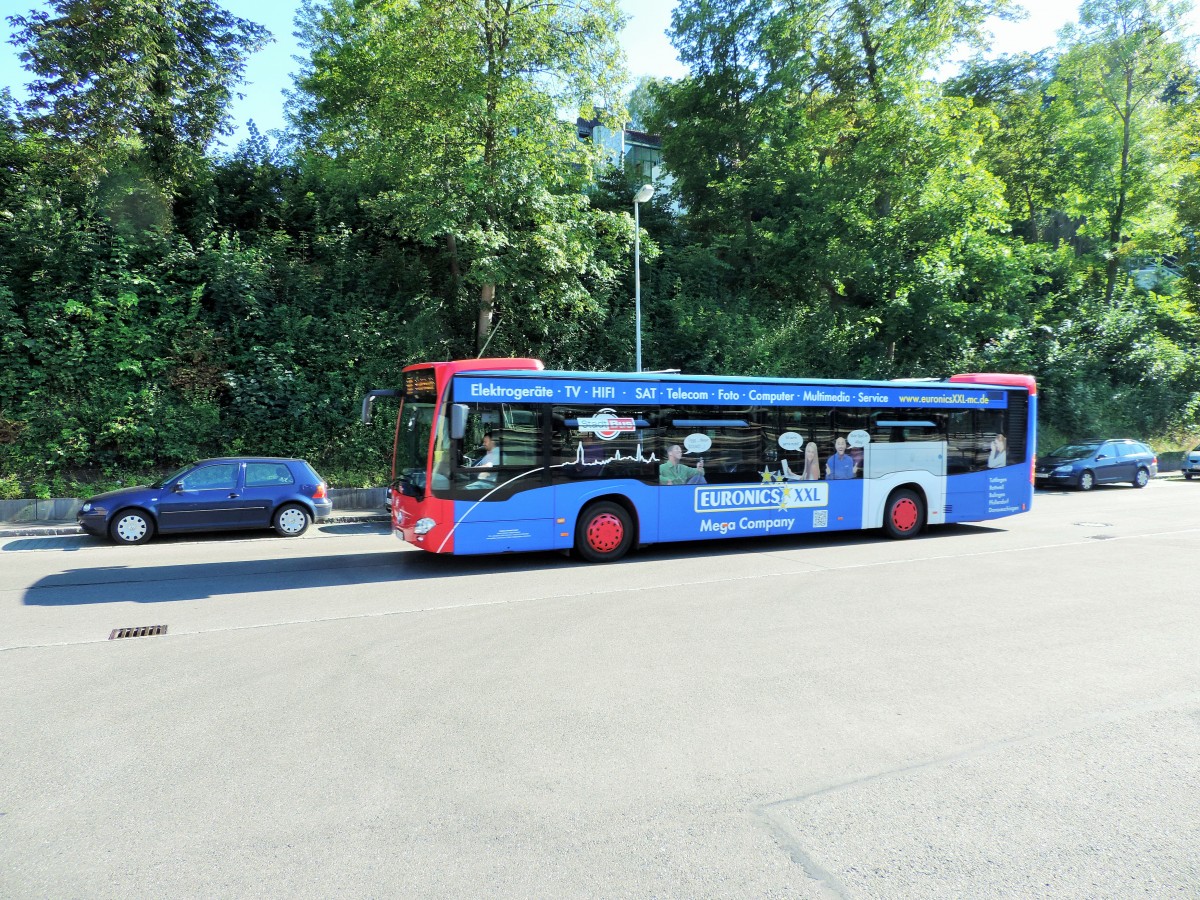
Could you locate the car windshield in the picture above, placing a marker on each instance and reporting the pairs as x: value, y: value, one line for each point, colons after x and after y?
x: 162, y: 483
x: 1075, y: 451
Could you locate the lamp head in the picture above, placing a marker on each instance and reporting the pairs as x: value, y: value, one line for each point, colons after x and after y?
x: 644, y: 193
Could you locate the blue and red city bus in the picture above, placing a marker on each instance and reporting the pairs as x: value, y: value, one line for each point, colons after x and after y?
x: 500, y: 455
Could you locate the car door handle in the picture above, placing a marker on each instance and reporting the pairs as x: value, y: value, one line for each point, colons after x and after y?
x: 233, y: 496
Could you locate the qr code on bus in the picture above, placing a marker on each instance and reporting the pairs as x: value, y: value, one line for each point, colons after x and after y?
x: 820, y: 518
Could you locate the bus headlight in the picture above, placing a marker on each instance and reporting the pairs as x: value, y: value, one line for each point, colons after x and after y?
x: 424, y: 526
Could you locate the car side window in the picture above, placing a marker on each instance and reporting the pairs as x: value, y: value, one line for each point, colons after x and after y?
x: 1107, y: 450
x: 268, y: 475
x: 222, y: 476
x: 1124, y: 450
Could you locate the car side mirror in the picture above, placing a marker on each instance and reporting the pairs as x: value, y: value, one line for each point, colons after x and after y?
x: 1101, y: 456
x: 177, y: 487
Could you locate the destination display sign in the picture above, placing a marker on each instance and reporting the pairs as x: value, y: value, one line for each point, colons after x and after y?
x: 474, y: 388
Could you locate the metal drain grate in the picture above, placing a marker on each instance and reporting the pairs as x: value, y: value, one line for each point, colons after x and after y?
x: 144, y: 631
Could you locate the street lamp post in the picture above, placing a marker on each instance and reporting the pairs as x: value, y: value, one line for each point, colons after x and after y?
x: 644, y: 193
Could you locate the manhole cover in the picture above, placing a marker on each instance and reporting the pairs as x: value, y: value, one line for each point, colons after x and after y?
x: 143, y: 631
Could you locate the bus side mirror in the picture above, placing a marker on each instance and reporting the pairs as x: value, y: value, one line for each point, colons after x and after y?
x: 458, y: 421
x: 369, y: 401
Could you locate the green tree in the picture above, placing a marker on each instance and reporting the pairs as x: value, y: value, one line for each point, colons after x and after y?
x: 450, y: 119
x: 839, y: 191
x: 1025, y: 150
x: 1117, y: 68
x: 148, y: 79
x: 642, y: 103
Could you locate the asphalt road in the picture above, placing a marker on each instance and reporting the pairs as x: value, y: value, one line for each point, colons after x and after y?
x: 1009, y: 710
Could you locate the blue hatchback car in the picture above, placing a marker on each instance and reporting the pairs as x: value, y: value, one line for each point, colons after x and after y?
x: 213, y: 495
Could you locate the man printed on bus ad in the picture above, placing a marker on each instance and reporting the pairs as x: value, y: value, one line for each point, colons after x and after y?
x: 841, y: 464
x: 675, y: 472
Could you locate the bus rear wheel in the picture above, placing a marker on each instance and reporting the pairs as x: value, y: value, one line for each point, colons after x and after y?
x: 904, y: 515
x: 604, y: 532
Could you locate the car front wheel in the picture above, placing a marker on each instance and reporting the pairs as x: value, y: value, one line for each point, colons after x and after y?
x: 1087, y: 481
x: 1142, y: 478
x: 291, y: 520
x: 131, y: 526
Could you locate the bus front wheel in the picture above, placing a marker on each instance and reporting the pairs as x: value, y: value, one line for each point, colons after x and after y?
x: 604, y: 532
x: 904, y: 515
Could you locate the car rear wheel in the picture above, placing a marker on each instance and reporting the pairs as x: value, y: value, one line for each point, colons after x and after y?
x: 1087, y: 481
x: 604, y: 532
x: 291, y: 520
x: 1142, y: 478
x: 904, y: 515
x: 131, y: 526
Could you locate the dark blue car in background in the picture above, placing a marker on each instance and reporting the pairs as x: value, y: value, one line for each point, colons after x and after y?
x: 213, y: 495
x: 1085, y: 464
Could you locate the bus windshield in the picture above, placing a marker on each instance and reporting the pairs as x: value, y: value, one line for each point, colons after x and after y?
x: 412, y: 443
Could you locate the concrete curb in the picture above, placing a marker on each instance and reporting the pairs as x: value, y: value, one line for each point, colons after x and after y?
x: 64, y: 528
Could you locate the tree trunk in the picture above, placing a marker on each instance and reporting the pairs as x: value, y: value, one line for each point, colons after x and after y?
x: 1033, y: 225
x: 455, y: 271
x: 1116, y: 221
x: 487, y: 306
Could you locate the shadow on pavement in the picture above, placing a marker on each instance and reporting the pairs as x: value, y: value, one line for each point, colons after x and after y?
x: 61, y: 542
x: 76, y: 541
x: 201, y: 581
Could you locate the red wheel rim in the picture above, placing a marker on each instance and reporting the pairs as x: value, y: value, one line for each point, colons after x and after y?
x: 605, y: 533
x: 904, y: 514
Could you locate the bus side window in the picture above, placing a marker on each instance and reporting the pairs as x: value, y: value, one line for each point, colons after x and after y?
x: 969, y: 435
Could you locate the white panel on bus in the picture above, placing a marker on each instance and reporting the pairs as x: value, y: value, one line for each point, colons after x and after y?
x: 904, y: 456
x: 886, y: 466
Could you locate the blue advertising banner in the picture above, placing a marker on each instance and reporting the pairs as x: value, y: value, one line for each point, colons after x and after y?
x: 476, y: 388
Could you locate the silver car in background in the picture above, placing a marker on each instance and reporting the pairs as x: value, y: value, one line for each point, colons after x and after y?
x: 1191, y: 463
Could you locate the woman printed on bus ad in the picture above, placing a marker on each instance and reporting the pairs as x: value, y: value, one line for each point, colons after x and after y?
x: 998, y: 452
x: 812, y: 466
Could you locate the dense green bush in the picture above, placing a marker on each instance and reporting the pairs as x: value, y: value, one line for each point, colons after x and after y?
x: 830, y: 215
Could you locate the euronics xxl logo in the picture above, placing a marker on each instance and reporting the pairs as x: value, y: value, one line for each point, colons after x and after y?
x: 768, y: 496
